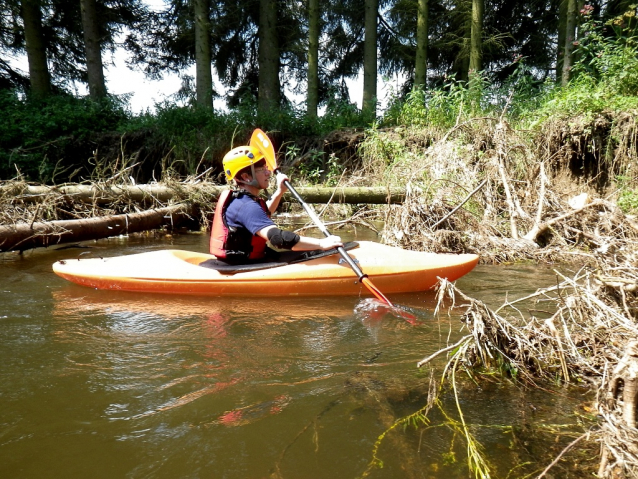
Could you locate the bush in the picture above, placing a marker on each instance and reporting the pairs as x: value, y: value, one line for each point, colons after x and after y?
x: 442, y: 107
x: 37, y: 135
x: 608, y: 54
x: 62, y: 137
x: 604, y: 75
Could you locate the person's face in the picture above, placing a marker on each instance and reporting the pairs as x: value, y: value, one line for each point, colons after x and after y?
x: 262, y: 175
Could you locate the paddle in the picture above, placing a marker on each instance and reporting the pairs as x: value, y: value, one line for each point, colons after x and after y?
x: 261, y: 141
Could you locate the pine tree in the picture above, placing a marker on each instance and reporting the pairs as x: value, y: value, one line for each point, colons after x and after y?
x: 35, y: 46
x: 369, y: 102
x: 314, y: 16
x: 269, y: 57
x: 203, y: 59
x: 476, y: 37
x: 93, y: 49
x: 421, y: 66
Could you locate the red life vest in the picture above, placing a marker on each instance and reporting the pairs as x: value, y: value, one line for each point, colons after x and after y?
x: 235, y: 244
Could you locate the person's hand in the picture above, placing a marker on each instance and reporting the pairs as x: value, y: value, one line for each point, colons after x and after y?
x: 280, y: 182
x: 330, y: 242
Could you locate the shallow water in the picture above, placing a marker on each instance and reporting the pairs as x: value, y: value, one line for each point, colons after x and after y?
x: 112, y: 384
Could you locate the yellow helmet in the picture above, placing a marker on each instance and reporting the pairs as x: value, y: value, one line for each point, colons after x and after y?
x: 239, y: 158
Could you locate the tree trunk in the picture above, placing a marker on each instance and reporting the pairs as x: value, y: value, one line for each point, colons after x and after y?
x: 313, y: 58
x: 369, y: 103
x: 269, y: 88
x: 421, y: 67
x: 26, y: 236
x: 36, y: 50
x: 350, y: 195
x: 570, y: 37
x: 476, y: 38
x: 562, y: 29
x: 461, y: 63
x: 143, y: 193
x: 93, y: 50
x: 203, y: 59
x: 101, y: 195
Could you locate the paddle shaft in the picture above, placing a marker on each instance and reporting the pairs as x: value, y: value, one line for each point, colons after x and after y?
x: 261, y: 141
x: 313, y: 216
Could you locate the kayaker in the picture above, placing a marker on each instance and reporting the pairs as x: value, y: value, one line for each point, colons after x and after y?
x: 242, y: 225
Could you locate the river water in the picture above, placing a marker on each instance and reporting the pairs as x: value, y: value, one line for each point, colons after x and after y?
x: 107, y: 384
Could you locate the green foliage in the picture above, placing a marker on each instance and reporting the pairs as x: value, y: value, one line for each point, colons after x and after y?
x: 37, y: 134
x: 522, y: 93
x: 184, y: 133
x: 609, y: 58
x: 415, y: 420
x: 628, y: 201
x: 341, y: 113
x: 380, y: 151
x: 50, y: 139
x: 628, y: 196
x: 604, y: 76
x: 187, y: 131
x: 442, y: 107
x: 315, y: 168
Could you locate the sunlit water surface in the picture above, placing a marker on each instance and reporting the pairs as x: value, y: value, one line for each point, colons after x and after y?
x: 107, y: 384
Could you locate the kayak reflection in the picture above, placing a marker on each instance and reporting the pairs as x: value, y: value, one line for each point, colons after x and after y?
x: 73, y: 300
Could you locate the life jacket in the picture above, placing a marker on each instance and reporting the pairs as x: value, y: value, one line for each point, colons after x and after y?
x: 232, y: 243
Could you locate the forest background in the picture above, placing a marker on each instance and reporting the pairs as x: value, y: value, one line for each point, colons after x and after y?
x: 461, y: 58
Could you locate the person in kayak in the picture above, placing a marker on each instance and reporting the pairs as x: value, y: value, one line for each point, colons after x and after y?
x: 242, y: 225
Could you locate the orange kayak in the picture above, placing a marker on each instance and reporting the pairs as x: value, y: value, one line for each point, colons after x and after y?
x: 393, y: 270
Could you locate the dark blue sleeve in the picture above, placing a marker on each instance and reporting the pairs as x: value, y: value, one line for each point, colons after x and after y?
x: 247, y: 213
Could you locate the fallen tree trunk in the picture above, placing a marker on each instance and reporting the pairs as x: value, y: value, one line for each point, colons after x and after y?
x: 25, y: 236
x: 97, y: 194
x: 350, y: 195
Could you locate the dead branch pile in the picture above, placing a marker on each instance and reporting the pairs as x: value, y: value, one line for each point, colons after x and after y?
x: 590, y: 337
x: 22, y: 203
x: 40, y: 216
x: 502, y: 200
x: 543, y: 195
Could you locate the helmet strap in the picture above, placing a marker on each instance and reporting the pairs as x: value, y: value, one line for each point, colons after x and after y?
x: 254, y: 181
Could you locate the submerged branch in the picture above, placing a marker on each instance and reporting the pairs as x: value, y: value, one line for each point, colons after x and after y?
x: 563, y: 452
x: 594, y: 319
x: 423, y: 362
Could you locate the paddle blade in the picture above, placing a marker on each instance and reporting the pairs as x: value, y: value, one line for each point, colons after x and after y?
x: 380, y: 296
x: 261, y: 141
x: 374, y: 290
